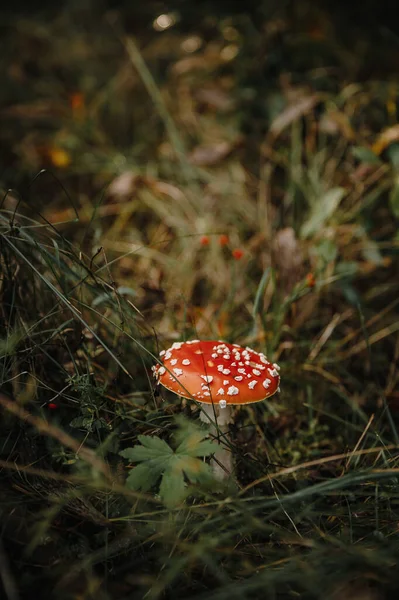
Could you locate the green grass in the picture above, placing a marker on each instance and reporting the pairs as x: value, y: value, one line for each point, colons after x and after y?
x: 151, y: 153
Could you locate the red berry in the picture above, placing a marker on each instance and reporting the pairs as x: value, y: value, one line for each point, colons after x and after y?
x: 223, y: 240
x: 237, y: 253
x: 310, y: 280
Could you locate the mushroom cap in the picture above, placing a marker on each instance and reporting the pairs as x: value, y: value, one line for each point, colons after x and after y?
x: 217, y: 372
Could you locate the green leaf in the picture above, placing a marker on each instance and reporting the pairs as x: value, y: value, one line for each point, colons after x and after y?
x: 155, y: 443
x: 347, y: 268
x: 195, y: 447
x: 260, y: 292
x: 393, y: 155
x: 322, y: 210
x: 326, y: 251
x: 187, y: 429
x: 144, y: 478
x: 85, y: 423
x: 172, y: 489
x: 152, y: 447
x: 158, y: 459
x: 9, y: 344
x: 366, y: 155
x: 194, y: 469
x: 350, y: 293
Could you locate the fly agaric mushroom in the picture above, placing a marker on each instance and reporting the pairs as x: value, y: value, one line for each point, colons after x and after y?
x: 218, y: 375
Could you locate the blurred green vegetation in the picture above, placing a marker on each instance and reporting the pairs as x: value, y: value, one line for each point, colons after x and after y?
x: 217, y: 171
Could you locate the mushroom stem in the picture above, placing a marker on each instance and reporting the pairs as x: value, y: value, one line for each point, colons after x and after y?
x: 222, y: 463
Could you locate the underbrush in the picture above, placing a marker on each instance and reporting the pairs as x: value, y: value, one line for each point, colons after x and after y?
x: 181, y: 219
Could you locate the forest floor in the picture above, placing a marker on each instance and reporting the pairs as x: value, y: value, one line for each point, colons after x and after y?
x: 195, y: 173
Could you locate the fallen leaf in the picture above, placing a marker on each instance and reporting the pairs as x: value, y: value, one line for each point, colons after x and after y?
x: 215, y: 98
x: 387, y: 137
x: 210, y: 154
x: 294, y: 111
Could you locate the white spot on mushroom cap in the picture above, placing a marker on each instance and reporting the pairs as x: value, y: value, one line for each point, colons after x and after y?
x: 220, y: 392
x: 273, y: 372
x: 256, y: 372
x: 238, y: 378
x: 266, y: 383
x: 226, y: 371
x: 176, y: 345
x: 222, y: 403
x: 161, y: 370
x: 242, y: 371
x: 185, y: 361
x: 168, y: 355
x: 173, y: 361
x: 252, y: 384
x: 276, y: 366
x: 207, y: 378
x: 226, y: 382
x: 233, y: 391
x: 178, y: 372
x: 162, y: 352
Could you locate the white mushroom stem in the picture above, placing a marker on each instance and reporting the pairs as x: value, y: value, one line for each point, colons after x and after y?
x: 222, y: 463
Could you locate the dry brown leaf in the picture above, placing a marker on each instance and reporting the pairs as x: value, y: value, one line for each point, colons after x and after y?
x: 387, y: 137
x: 210, y: 154
x: 215, y: 98
x: 124, y: 185
x: 335, y: 122
x: 294, y: 111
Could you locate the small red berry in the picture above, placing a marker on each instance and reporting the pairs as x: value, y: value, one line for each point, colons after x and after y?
x: 310, y: 280
x: 77, y: 101
x: 52, y: 405
x: 223, y: 240
x: 237, y: 253
x: 204, y: 240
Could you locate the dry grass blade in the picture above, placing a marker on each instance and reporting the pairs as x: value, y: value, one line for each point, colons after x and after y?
x: 235, y: 171
x: 322, y: 461
x: 45, y: 428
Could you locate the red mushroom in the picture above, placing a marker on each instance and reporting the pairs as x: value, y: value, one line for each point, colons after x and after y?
x: 217, y: 374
